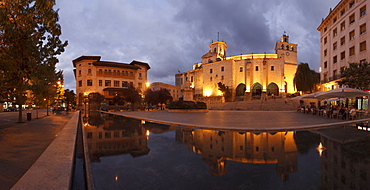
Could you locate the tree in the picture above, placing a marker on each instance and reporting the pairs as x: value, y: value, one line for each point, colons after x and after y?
x: 225, y: 90
x: 305, y: 79
x: 356, y: 75
x: 70, y: 97
x: 131, y: 94
x: 29, y: 39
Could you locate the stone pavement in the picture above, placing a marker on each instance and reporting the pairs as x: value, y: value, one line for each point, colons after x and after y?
x: 240, y: 120
x: 21, y: 144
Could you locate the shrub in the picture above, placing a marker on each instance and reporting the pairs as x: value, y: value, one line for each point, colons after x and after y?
x: 186, y: 105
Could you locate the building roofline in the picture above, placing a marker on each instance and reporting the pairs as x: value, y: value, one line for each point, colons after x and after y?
x: 331, y: 13
x: 94, y: 58
x: 134, y: 62
x: 115, y: 64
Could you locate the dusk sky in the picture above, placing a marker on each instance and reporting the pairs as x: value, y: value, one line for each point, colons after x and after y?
x: 172, y: 35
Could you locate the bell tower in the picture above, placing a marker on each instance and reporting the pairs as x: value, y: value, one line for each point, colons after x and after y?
x: 286, y: 50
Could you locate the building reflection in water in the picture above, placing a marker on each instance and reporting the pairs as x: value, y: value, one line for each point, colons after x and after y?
x: 109, y: 135
x: 345, y: 160
x: 217, y: 147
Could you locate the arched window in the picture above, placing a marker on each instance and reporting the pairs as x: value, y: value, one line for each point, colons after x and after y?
x: 287, y: 47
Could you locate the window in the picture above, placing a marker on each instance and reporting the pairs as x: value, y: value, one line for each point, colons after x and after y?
x: 325, y: 64
x: 325, y: 40
x: 335, y: 46
x: 325, y: 29
x: 363, y: 11
x: 222, y: 68
x: 118, y: 73
x: 352, y: 35
x: 222, y: 77
x: 89, y: 71
x: 335, y: 20
x: 192, y: 79
x: 352, y: 18
x: 89, y: 82
x: 325, y: 52
x: 335, y: 31
x: 272, y: 68
x: 342, y: 55
x: 80, y: 83
x: 210, y: 79
x: 107, y: 83
x: 100, y: 71
x: 100, y: 82
x: 363, y: 46
x: 342, y: 12
x: 343, y: 26
x: 132, y: 84
x: 351, y: 4
x: 256, y: 68
x: 116, y: 83
x: 105, y: 71
x: 240, y: 69
x: 352, y: 50
x: 114, y: 72
x: 363, y: 61
x: 109, y: 72
x: 140, y: 75
x: 210, y: 70
x: 131, y: 74
x: 79, y: 72
x: 124, y: 84
x: 140, y: 85
x: 334, y: 73
x: 335, y: 59
x: 107, y: 135
x: 343, y: 40
x: 363, y: 29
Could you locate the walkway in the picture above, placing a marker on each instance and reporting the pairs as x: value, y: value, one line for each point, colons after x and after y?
x: 22, y: 144
x: 240, y: 120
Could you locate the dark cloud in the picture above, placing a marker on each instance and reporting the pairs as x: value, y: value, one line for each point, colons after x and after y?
x: 173, y: 35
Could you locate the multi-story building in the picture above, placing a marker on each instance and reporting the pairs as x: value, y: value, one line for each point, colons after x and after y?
x: 107, y: 78
x: 343, y: 40
x: 250, y: 74
x: 175, y: 91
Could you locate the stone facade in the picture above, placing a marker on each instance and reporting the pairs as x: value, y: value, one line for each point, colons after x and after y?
x: 107, y: 78
x: 175, y: 91
x: 246, y: 75
x: 343, y: 40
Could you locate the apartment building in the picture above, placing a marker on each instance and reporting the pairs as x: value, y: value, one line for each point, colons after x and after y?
x: 175, y: 91
x: 343, y: 39
x: 107, y: 78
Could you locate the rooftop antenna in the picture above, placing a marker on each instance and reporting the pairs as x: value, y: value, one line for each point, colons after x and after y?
x: 218, y: 36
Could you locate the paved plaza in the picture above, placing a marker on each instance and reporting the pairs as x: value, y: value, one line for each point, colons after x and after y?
x: 240, y: 120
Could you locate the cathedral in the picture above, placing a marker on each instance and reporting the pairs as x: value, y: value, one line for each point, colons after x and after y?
x: 247, y: 76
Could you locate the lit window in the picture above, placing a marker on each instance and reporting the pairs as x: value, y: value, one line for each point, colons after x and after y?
x: 107, y: 83
x: 116, y: 83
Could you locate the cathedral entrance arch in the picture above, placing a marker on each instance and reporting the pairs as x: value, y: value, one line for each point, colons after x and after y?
x: 257, y: 89
x: 240, y: 89
x: 273, y: 88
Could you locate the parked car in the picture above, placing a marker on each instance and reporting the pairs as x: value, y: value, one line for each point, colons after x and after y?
x: 10, y: 109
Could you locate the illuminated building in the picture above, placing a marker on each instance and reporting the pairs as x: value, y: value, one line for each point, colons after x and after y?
x: 343, y: 39
x: 246, y: 75
x: 107, y: 78
x: 174, y: 90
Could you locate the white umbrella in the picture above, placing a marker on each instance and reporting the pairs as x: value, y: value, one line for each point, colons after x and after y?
x: 342, y: 93
x: 308, y: 96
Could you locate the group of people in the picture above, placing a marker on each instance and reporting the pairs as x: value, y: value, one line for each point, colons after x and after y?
x: 331, y: 111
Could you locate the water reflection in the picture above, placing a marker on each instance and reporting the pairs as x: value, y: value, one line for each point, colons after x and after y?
x: 342, y: 153
x: 109, y: 135
x: 345, y: 161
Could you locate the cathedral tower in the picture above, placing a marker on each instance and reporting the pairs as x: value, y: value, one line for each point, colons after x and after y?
x: 286, y: 50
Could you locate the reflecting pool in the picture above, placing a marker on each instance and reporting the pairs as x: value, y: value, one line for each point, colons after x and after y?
x: 133, y: 154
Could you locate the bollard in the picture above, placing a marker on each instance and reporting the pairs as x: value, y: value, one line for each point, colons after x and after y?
x: 29, y: 116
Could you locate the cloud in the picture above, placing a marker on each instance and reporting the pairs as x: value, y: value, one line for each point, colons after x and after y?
x: 173, y: 35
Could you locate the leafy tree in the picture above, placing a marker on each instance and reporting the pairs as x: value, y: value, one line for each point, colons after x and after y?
x: 159, y: 96
x: 29, y: 39
x: 225, y: 90
x: 70, y: 97
x: 95, y: 99
x: 305, y: 79
x: 131, y: 94
x: 356, y: 75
